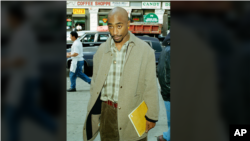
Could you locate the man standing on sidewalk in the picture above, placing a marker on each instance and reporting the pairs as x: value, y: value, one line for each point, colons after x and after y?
x: 163, y: 72
x: 77, y: 62
x: 124, y: 76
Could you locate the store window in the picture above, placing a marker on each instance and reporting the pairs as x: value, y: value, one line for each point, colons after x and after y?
x: 103, y: 20
x: 69, y: 22
x: 79, y: 23
x: 137, y: 18
x: 137, y: 15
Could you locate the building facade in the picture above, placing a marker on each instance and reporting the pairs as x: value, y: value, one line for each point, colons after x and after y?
x: 83, y: 15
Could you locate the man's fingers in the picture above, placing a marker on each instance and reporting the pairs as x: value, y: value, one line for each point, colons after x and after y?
x: 149, y: 127
x: 153, y: 125
x: 146, y: 126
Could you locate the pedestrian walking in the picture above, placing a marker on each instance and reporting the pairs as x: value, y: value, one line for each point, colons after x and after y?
x: 124, y: 76
x: 77, y: 62
x: 163, y: 73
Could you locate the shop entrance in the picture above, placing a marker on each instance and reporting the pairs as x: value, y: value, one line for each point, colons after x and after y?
x: 69, y: 22
x: 79, y: 23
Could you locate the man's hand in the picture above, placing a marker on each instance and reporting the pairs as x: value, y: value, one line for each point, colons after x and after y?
x: 149, y: 125
x: 71, y: 55
x: 68, y: 55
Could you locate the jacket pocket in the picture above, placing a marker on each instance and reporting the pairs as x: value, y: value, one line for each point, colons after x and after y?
x: 95, y: 119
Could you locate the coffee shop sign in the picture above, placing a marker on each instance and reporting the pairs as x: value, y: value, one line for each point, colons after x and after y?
x: 154, y: 5
x: 96, y: 3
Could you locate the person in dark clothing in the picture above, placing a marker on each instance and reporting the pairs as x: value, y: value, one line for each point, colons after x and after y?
x: 166, y: 41
x: 163, y: 73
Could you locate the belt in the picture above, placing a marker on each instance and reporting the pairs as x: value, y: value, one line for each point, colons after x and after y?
x: 113, y: 104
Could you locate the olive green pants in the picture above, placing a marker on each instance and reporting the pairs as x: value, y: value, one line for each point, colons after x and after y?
x: 108, y: 124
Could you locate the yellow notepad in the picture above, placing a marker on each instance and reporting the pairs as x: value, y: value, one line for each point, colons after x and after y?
x: 137, y: 117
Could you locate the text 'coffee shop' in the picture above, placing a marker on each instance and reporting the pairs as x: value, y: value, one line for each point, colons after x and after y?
x: 88, y: 15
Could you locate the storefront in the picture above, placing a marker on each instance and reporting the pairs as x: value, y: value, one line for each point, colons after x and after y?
x: 79, y: 19
x: 150, y: 7
x: 103, y: 17
x: 96, y: 13
x: 69, y: 20
x: 76, y: 18
x: 166, y: 6
x: 89, y: 15
x: 137, y: 15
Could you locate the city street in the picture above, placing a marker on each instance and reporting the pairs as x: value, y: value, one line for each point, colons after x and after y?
x: 77, y: 110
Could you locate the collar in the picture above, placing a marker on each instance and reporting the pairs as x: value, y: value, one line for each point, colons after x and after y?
x: 76, y: 40
x: 130, y: 41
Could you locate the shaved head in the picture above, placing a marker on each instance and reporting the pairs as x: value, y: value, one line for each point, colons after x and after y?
x: 118, y: 24
x: 118, y: 11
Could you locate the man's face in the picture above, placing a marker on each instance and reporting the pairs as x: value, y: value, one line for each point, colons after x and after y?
x: 118, y: 27
x: 73, y: 38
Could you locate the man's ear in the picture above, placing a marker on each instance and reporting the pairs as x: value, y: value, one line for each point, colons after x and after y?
x: 128, y: 23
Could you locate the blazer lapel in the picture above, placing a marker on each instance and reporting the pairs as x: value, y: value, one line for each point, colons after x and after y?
x: 130, y: 47
x: 104, y: 66
x: 106, y: 62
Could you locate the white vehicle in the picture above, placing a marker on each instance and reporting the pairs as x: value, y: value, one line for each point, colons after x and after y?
x: 80, y: 33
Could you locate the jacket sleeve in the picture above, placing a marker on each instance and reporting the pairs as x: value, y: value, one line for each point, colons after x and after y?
x: 151, y: 93
x: 168, y: 74
x: 94, y: 66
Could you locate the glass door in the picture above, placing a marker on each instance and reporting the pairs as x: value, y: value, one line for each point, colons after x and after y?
x: 79, y: 23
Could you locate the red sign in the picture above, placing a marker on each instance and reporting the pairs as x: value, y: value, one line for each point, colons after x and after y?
x: 104, y: 20
x: 136, y: 19
x: 68, y: 20
x: 102, y: 3
x: 84, y: 3
x: 102, y: 28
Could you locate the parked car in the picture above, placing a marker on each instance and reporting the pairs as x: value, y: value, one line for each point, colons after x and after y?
x: 89, y: 52
x: 80, y: 33
x: 155, y: 44
x: 91, y: 38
